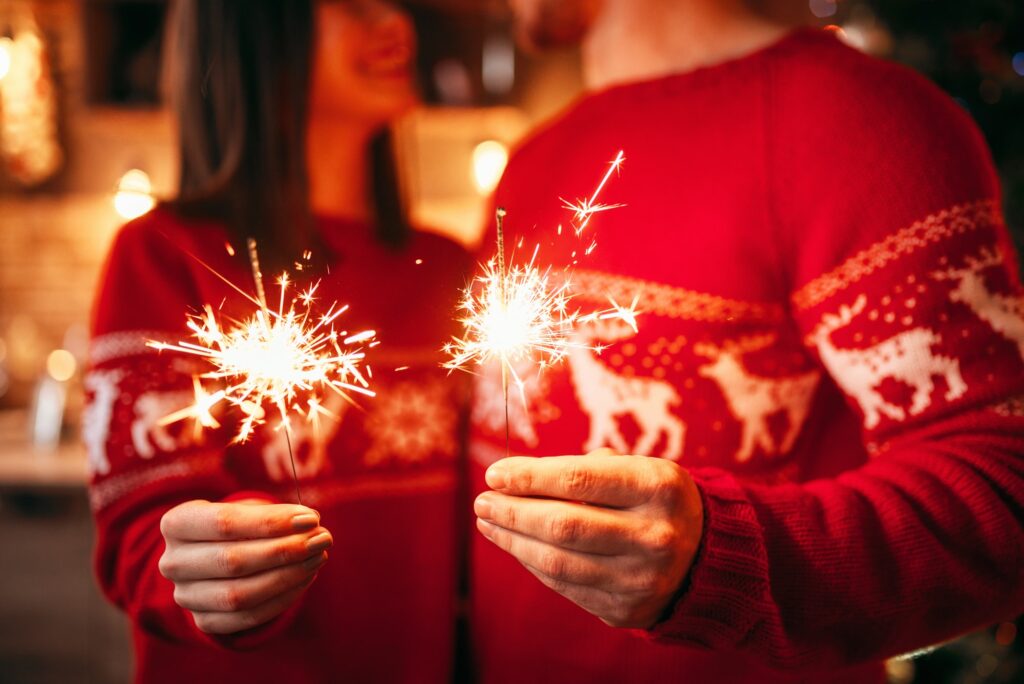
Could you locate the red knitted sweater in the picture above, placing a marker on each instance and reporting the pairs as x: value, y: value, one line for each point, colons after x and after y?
x: 831, y: 344
x: 384, y: 478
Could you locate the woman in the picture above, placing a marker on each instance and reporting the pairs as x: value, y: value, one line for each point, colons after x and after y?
x: 283, y: 109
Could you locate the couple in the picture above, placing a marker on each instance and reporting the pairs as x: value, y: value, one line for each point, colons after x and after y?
x: 828, y: 366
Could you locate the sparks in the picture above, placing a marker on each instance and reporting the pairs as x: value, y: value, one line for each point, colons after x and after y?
x: 520, y: 312
x: 585, y: 208
x: 512, y: 315
x: 285, y: 358
x: 626, y: 314
x: 535, y: 321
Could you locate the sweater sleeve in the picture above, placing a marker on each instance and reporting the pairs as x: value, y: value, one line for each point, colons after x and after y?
x: 140, y: 469
x: 908, y: 298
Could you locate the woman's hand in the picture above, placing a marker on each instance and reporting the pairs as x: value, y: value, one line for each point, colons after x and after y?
x: 236, y: 566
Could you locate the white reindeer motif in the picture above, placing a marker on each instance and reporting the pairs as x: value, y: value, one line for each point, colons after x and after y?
x: 906, y: 357
x: 604, y: 395
x: 753, y: 399
x: 318, y: 435
x: 97, y: 415
x: 146, y: 430
x: 1004, y: 313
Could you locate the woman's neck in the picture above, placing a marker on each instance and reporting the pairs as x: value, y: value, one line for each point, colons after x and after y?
x: 338, y: 166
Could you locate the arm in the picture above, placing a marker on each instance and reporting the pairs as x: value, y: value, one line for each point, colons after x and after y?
x: 923, y: 542
x: 919, y: 545
x: 168, y: 570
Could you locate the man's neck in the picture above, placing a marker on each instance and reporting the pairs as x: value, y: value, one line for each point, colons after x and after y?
x: 338, y: 167
x: 636, y: 40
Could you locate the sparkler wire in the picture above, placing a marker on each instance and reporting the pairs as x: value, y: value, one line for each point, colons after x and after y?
x: 261, y: 294
x: 291, y: 457
x: 499, y: 216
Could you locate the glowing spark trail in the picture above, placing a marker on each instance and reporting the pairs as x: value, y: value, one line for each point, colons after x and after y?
x: 516, y: 313
x: 584, y: 209
x: 285, y: 359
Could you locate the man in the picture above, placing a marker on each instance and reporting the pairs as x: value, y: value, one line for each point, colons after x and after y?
x: 829, y: 361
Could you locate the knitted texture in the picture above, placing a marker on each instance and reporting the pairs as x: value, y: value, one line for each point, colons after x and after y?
x: 383, y: 477
x: 831, y: 344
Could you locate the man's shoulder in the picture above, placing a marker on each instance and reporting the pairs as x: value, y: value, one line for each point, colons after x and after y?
x: 819, y: 79
x: 835, y: 112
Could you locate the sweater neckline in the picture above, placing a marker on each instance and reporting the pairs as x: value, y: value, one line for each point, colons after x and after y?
x: 704, y: 74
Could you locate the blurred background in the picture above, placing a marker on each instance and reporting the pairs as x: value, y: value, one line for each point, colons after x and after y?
x: 86, y: 142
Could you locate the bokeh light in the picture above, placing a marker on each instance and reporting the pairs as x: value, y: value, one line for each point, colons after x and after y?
x: 489, y: 160
x: 134, y: 195
x: 1018, y: 63
x: 822, y: 8
x: 61, y: 365
x: 5, y: 56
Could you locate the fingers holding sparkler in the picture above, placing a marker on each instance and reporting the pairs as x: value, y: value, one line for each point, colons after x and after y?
x: 236, y: 565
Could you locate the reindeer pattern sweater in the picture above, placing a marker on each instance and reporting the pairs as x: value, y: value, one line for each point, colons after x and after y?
x: 831, y: 343
x: 383, y: 476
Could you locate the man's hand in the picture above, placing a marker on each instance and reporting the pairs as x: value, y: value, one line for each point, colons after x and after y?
x: 236, y: 566
x: 614, y: 534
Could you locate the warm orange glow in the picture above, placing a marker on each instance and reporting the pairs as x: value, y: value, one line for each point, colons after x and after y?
x: 61, y: 365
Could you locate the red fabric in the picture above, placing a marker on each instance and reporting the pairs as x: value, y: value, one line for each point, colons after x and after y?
x: 852, y: 416
x: 384, y: 484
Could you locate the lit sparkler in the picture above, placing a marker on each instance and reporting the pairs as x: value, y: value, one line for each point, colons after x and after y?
x: 285, y: 358
x: 516, y: 313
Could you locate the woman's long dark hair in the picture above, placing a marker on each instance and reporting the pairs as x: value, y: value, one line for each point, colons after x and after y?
x: 241, y: 82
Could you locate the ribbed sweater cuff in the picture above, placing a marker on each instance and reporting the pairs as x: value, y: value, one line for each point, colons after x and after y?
x: 728, y: 592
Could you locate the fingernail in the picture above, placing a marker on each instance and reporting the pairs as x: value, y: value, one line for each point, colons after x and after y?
x: 320, y: 542
x: 482, y: 506
x: 305, y: 521
x: 485, y: 527
x: 315, y: 562
x: 497, y: 477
